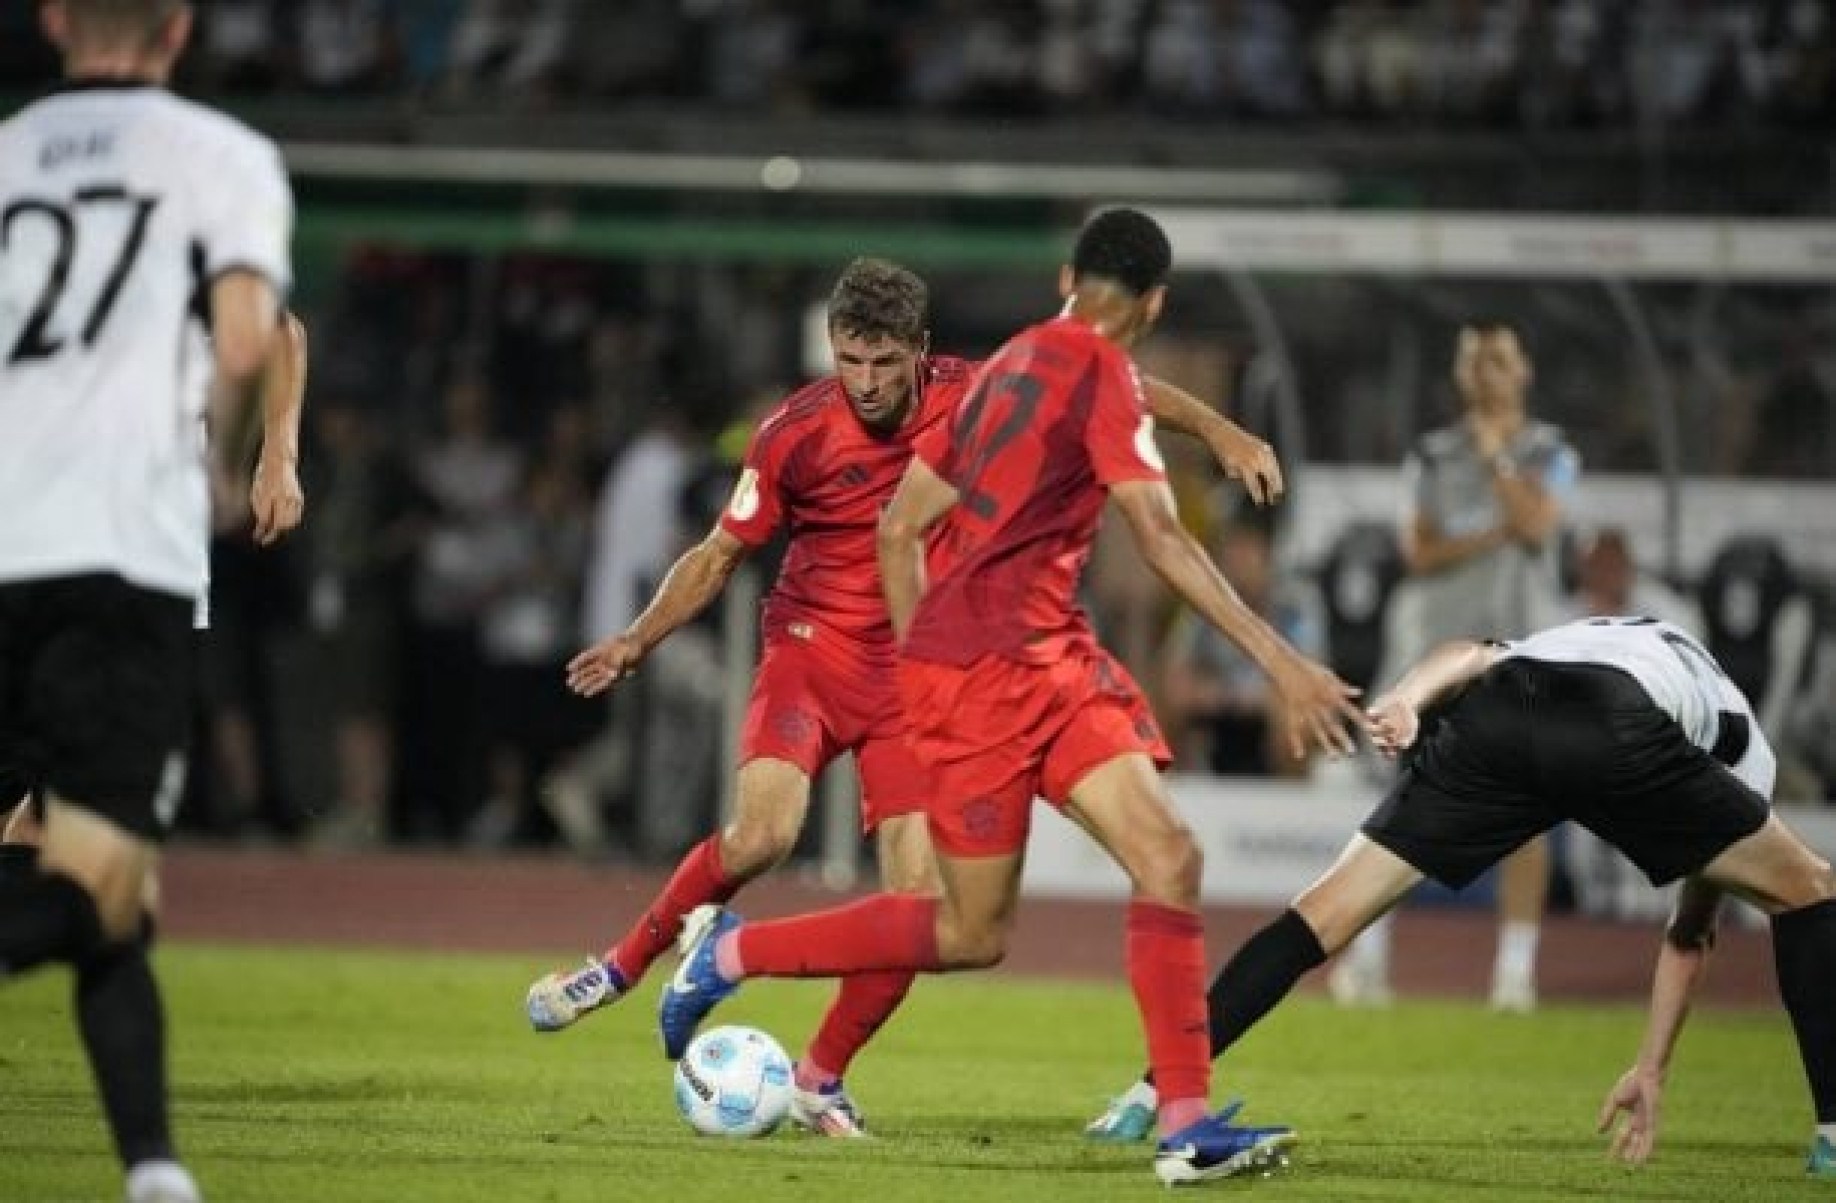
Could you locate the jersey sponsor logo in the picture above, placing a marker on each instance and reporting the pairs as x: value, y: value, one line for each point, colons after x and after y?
x: 1146, y: 449
x: 745, y: 502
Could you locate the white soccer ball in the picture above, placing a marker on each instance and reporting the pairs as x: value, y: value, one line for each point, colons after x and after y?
x: 733, y: 1081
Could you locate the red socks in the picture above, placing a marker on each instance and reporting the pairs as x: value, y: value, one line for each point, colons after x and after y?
x: 865, y: 1002
x: 881, y: 931
x: 698, y: 879
x: 1166, y: 969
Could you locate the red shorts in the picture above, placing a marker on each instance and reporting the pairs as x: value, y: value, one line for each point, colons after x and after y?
x: 817, y: 697
x: 998, y: 733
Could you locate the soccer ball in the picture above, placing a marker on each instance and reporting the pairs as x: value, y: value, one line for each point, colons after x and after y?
x: 733, y: 1081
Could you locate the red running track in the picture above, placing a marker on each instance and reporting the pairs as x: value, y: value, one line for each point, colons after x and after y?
x: 559, y: 906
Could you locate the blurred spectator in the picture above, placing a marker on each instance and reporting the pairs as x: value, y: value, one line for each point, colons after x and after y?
x: 1215, y: 700
x: 504, y: 47
x: 752, y: 53
x: 239, y: 46
x: 345, y: 45
x: 468, y: 479
x: 1485, y: 499
x: 1533, y: 63
x: 1609, y: 584
x: 1182, y: 69
x: 253, y: 605
x: 356, y: 550
x: 538, y: 550
x: 634, y: 541
x: 633, y: 48
x: 1265, y: 71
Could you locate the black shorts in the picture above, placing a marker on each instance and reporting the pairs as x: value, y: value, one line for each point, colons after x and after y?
x: 1531, y: 744
x: 95, y: 696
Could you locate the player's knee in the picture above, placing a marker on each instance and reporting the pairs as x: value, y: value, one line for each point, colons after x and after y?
x: 982, y: 948
x: 122, y: 921
x: 749, y: 849
x: 1171, y: 868
x: 1815, y: 881
x: 970, y: 942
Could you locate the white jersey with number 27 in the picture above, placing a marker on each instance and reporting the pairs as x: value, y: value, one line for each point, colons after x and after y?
x: 119, y: 204
x: 1680, y: 676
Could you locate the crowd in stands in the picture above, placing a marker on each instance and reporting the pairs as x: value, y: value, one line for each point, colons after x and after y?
x: 1487, y: 63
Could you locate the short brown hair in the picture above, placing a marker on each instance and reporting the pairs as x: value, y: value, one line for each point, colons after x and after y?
x: 876, y: 298
x: 119, y: 18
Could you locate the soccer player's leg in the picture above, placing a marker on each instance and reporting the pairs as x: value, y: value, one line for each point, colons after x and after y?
x: 1523, y: 893
x: 772, y: 799
x: 1123, y: 806
x: 1795, y: 887
x: 109, y: 674
x: 893, y: 794
x: 119, y: 1012
x: 785, y: 742
x: 1362, y: 886
x: 973, y: 731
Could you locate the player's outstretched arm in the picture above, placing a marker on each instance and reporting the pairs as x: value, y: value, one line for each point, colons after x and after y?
x: 1394, y: 719
x: 1244, y: 457
x: 275, y: 497
x: 922, y: 498
x: 693, y: 581
x: 1319, y: 704
x: 1682, y: 964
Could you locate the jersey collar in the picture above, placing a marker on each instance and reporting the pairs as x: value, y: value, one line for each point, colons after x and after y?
x: 99, y: 83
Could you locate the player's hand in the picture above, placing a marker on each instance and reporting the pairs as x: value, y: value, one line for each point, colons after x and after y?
x: 1638, y: 1093
x: 1319, y: 708
x: 1249, y: 461
x: 604, y: 665
x: 1392, y: 723
x: 276, y: 499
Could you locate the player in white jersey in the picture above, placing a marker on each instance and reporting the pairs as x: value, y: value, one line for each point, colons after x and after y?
x: 274, y: 506
x: 120, y: 205
x: 1628, y: 727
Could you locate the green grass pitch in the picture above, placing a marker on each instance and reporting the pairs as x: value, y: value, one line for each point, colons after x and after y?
x: 313, y: 1075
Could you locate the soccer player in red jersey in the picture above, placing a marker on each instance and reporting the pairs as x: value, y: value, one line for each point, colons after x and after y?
x: 824, y: 463
x: 1008, y: 695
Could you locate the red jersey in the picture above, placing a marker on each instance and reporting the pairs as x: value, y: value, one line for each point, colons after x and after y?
x: 815, y: 468
x: 1050, y: 422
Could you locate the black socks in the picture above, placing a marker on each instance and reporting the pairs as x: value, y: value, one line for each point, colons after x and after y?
x: 1804, y: 953
x: 124, y: 1030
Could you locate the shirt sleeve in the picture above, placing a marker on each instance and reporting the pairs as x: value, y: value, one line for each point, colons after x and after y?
x: 755, y: 509
x: 1120, y: 434
x: 1415, y: 499
x: 1559, y: 473
x: 245, y: 210
x: 937, y: 449
x: 1758, y: 768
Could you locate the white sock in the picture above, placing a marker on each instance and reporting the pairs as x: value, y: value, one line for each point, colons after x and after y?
x: 1827, y: 1131
x: 162, y: 1180
x: 1370, y: 951
x: 1516, y: 950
